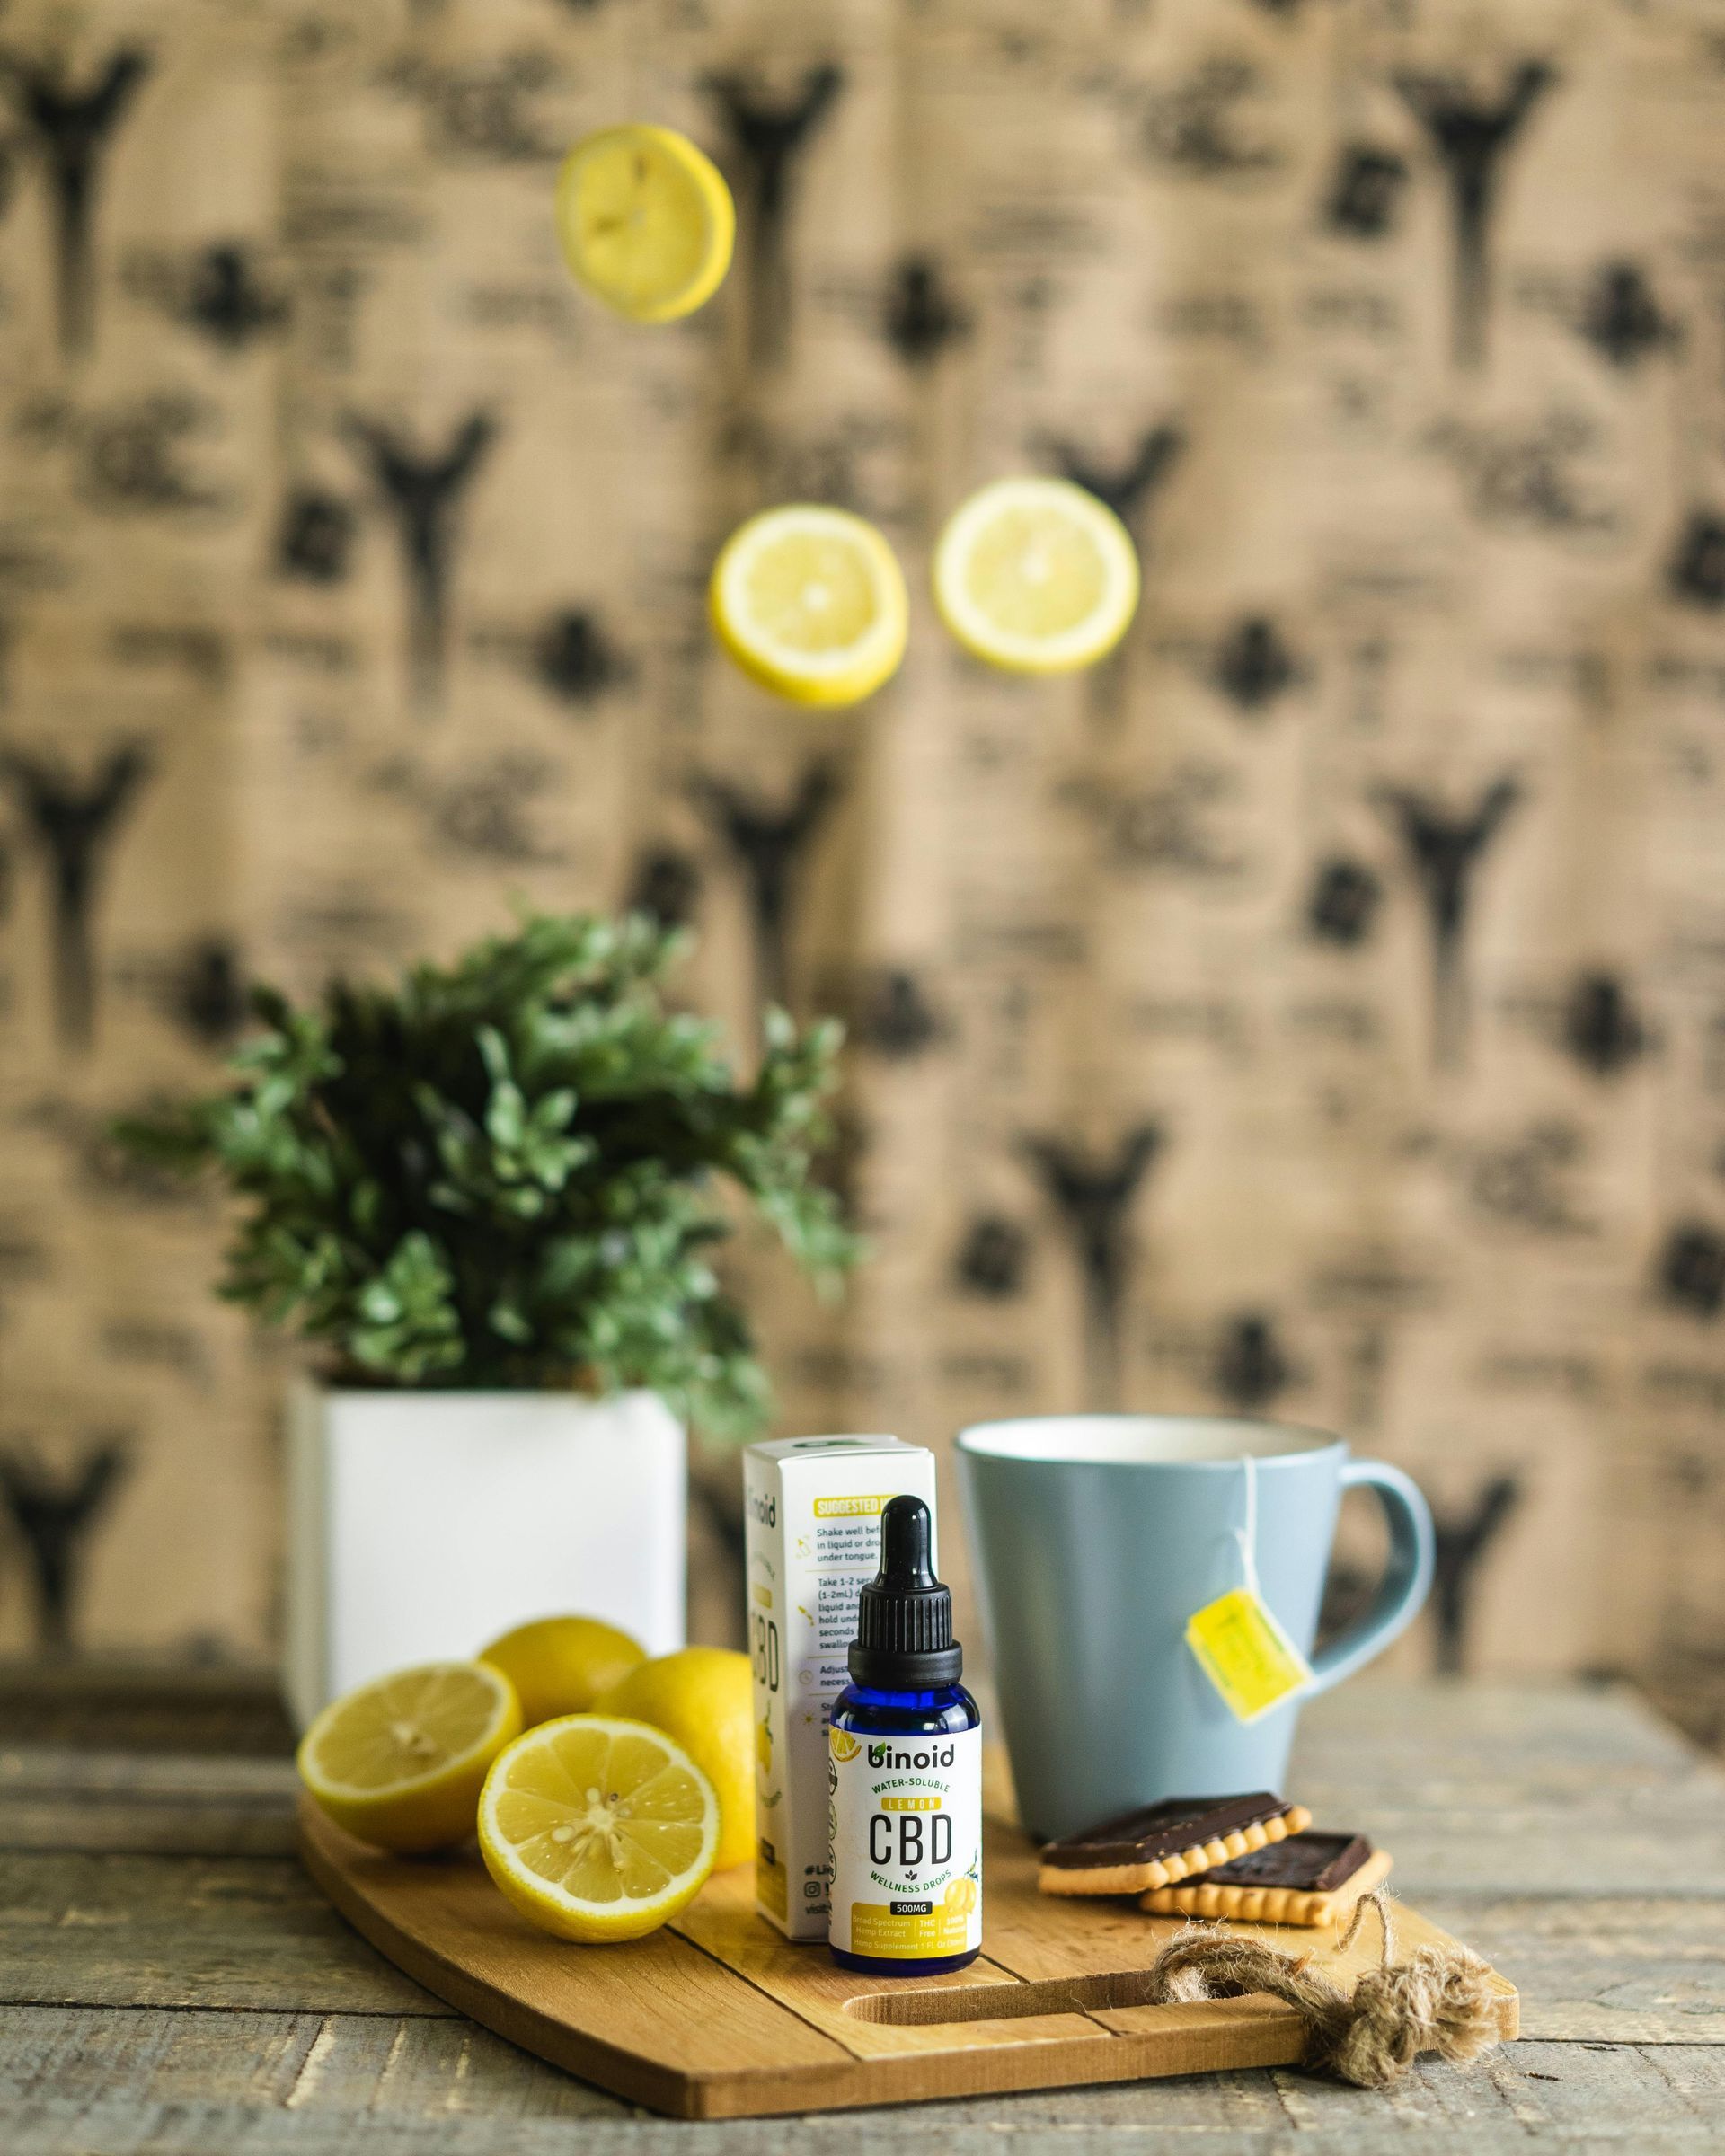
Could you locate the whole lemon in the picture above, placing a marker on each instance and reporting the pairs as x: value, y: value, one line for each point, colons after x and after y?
x: 703, y: 1697
x: 560, y: 1664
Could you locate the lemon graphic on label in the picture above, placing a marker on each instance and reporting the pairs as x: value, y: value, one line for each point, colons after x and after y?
x: 844, y: 1745
x: 961, y: 1896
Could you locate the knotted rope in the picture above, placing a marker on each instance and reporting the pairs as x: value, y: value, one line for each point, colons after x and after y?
x: 1437, y: 2000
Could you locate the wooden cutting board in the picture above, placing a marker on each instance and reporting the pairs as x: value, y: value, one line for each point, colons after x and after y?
x: 717, y: 2017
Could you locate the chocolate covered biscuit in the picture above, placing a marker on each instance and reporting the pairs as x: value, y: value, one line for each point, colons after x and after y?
x: 1307, y: 1878
x: 1160, y: 1843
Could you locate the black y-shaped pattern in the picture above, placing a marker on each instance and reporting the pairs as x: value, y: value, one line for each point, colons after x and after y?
x: 53, y: 1519
x: 72, y: 129
x: 1462, y: 1539
x: 1129, y: 488
x: 1471, y: 137
x: 1093, y: 1199
x: 423, y: 493
x: 73, y: 825
x: 770, y: 847
x: 1444, y: 850
x: 770, y: 135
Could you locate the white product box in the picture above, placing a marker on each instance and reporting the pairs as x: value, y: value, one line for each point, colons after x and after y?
x: 813, y: 1520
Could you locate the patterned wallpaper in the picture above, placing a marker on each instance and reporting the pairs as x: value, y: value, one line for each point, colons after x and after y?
x: 1317, y: 1010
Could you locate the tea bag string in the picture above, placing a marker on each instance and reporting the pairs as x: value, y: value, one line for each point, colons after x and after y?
x: 1246, y: 1535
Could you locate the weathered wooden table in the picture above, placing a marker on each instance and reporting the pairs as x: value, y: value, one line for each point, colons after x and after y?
x: 171, y: 1982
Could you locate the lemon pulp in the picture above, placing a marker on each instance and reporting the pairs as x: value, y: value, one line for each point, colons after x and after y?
x: 400, y: 1762
x: 597, y: 1827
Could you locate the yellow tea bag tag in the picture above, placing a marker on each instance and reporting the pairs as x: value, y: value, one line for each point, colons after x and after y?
x: 1240, y: 1646
x: 1245, y: 1654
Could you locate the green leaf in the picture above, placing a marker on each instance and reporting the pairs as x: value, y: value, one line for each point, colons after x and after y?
x: 552, y: 1114
x: 493, y: 1047
x: 506, y: 1119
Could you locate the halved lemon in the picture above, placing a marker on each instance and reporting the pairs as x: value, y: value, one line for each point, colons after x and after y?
x: 646, y: 221
x: 809, y: 602
x: 597, y: 1828
x: 1036, y: 576
x: 400, y: 1762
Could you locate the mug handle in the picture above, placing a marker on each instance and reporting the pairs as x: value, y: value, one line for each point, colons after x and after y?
x: 1407, y: 1578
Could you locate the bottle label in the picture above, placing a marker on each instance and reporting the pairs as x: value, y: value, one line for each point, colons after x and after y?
x: 907, y: 1822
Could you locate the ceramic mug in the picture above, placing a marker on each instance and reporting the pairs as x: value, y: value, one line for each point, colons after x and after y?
x: 1097, y: 1536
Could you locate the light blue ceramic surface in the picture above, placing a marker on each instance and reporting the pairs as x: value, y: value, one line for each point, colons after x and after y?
x: 1097, y: 1536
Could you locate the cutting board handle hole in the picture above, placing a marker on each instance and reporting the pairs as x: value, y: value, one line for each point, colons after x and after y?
x: 1002, y: 2001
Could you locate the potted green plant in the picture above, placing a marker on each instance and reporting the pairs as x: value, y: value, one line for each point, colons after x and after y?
x: 488, y: 1196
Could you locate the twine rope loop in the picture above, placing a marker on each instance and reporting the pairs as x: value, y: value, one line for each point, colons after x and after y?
x: 1438, y: 2000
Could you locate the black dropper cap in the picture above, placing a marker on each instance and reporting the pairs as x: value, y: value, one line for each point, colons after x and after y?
x: 904, y: 1620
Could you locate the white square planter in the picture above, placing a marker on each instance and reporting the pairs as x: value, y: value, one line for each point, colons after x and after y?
x: 421, y: 1524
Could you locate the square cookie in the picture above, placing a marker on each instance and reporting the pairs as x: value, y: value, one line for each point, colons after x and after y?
x: 1160, y: 1843
x: 1307, y: 1878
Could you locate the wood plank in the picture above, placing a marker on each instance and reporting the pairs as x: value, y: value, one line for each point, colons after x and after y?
x: 411, y: 2066
x: 57, y: 1797
x: 1515, y: 1789
x: 1567, y: 2092
x: 1666, y: 2101
x: 56, y: 2127
x: 1612, y: 1970
x: 237, y: 1932
x: 144, y: 1703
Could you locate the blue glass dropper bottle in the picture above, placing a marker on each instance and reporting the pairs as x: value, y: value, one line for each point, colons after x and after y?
x: 905, y: 1772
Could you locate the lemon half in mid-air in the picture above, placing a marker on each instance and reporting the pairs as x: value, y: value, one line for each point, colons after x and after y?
x: 597, y: 1828
x: 646, y: 221
x: 1036, y: 576
x: 809, y: 602
x: 400, y: 1762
